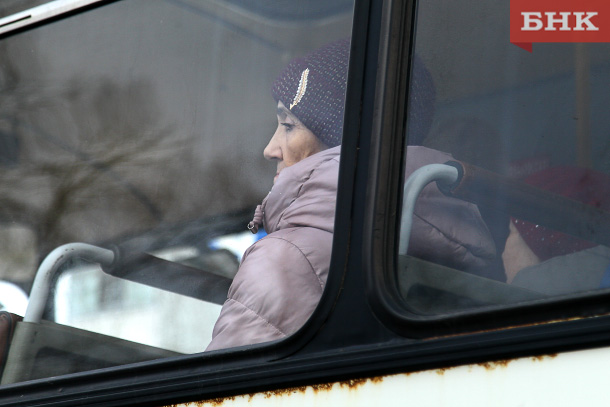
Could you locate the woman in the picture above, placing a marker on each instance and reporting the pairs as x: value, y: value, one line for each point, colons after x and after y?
x: 282, y: 276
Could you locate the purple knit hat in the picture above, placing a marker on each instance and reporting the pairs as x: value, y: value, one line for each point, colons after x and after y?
x: 313, y: 89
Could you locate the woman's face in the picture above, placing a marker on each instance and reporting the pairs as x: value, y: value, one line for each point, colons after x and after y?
x: 291, y: 142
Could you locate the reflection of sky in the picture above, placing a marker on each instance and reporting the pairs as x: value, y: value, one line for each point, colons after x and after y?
x: 236, y: 243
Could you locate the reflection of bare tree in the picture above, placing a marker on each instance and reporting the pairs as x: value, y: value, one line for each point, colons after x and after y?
x: 82, y: 154
x: 96, y: 159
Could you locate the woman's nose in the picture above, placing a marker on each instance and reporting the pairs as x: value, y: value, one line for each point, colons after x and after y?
x: 273, y: 150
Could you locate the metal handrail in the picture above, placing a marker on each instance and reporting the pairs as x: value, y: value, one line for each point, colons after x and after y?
x: 443, y: 174
x: 41, y: 13
x: 49, y: 267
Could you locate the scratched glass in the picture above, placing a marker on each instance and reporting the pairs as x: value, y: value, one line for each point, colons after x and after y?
x: 137, y: 127
x: 524, y: 216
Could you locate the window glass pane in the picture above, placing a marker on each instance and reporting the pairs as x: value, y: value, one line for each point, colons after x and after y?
x: 529, y: 217
x: 138, y: 129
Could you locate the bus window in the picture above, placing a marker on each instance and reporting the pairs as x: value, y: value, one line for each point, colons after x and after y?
x: 139, y: 130
x: 507, y: 177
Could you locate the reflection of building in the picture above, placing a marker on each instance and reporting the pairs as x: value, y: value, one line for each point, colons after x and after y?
x: 12, y: 298
x: 94, y: 301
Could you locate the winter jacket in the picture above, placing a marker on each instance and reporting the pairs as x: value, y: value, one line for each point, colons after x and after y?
x: 446, y: 230
x: 282, y: 276
x: 570, y: 273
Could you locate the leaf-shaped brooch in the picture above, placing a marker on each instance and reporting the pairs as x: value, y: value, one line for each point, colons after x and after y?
x: 301, y: 89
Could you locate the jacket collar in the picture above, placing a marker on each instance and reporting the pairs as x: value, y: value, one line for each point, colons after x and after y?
x: 304, y: 194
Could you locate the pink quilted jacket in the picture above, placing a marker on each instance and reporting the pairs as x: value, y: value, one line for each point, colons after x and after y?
x: 282, y: 276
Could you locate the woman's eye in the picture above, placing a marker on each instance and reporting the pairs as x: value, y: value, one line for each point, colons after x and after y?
x: 288, y: 126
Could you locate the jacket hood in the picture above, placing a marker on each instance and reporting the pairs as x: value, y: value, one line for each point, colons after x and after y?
x: 304, y: 194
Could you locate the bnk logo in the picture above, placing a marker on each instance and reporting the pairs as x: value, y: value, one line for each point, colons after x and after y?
x: 559, y: 21
x: 532, y: 21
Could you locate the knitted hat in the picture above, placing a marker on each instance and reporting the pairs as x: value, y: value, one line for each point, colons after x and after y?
x: 313, y: 89
x: 580, y: 184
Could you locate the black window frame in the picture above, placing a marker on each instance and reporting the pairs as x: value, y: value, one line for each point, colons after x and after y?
x: 385, y: 181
